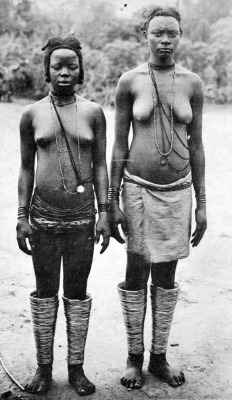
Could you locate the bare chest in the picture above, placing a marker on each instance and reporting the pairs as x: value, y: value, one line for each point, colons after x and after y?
x: 77, y: 125
x: 171, y: 92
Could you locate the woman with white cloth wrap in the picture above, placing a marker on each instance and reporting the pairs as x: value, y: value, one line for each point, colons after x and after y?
x: 163, y: 102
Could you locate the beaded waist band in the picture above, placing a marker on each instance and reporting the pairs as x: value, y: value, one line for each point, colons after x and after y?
x: 45, y: 217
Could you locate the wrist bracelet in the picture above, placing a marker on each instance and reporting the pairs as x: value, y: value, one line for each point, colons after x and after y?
x: 201, y: 197
x: 103, y: 207
x: 113, y: 194
x: 23, y: 212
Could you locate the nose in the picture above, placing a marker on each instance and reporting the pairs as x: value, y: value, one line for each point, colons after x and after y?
x: 64, y: 71
x: 165, y: 39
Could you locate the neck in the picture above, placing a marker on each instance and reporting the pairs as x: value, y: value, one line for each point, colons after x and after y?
x: 63, y: 99
x: 162, y: 64
x: 162, y: 67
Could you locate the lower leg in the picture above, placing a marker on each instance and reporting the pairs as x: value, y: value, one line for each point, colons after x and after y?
x: 77, y: 317
x: 133, y: 296
x: 44, y: 306
x: 164, y: 294
x: 77, y: 304
x: 44, y: 314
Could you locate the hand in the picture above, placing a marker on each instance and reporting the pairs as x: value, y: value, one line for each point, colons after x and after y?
x: 117, y: 217
x: 24, y: 232
x: 103, y: 228
x: 201, y: 225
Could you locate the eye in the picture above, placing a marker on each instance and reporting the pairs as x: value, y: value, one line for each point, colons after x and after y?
x: 173, y: 34
x: 73, y: 67
x: 157, y: 34
x: 56, y: 67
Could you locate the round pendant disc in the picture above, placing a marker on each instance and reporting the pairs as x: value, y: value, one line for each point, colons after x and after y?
x: 80, y: 189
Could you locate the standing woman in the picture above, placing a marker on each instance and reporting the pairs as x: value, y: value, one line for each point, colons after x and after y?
x: 163, y: 101
x: 67, y: 134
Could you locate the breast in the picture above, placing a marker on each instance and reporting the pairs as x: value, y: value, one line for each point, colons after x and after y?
x: 183, y: 113
x: 44, y: 141
x: 143, y: 110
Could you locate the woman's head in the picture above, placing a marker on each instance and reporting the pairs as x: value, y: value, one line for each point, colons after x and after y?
x: 159, y: 11
x: 55, y: 43
x: 162, y: 31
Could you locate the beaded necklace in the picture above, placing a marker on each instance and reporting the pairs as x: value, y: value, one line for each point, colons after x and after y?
x: 79, y: 175
x: 158, y: 107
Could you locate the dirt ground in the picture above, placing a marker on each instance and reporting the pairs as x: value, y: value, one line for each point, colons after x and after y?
x: 200, y: 340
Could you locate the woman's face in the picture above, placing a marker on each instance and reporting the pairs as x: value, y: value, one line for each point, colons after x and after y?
x: 163, y: 35
x: 64, y: 70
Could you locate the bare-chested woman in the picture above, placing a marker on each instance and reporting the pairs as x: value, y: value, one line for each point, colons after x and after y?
x: 67, y: 134
x: 163, y: 101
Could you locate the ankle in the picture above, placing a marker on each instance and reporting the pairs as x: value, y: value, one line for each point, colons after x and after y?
x: 75, y: 368
x: 157, y: 358
x: 45, y: 367
x: 135, y: 358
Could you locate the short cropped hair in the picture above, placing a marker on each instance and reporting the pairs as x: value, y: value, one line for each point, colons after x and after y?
x: 56, y: 42
x: 159, y: 11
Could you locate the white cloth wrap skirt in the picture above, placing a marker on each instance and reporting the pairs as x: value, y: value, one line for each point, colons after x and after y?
x: 158, y: 218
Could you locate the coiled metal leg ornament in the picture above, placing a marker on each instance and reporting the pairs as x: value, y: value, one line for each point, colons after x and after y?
x: 44, y: 315
x: 134, y: 305
x: 163, y: 303
x: 77, y: 314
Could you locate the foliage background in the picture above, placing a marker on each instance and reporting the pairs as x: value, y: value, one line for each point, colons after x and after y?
x: 111, y: 44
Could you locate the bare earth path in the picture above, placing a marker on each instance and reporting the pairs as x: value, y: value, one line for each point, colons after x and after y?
x: 201, y: 336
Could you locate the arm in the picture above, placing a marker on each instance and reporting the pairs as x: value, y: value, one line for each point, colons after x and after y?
x: 26, y: 180
x: 197, y: 161
x: 101, y: 178
x: 123, y: 116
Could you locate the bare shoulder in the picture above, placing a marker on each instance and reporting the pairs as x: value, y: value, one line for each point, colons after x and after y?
x: 90, y: 108
x: 31, y: 109
x: 191, y: 78
x: 127, y: 79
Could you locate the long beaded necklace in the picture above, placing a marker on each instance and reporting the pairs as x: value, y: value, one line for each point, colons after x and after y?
x: 158, y: 105
x: 156, y: 102
x: 80, y: 186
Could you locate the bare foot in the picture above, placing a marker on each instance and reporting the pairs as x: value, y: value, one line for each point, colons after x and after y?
x: 79, y: 381
x: 132, y: 376
x: 41, y: 381
x: 161, y: 369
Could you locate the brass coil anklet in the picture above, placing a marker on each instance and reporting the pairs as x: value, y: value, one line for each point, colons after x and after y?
x: 44, y: 315
x: 134, y: 304
x: 163, y: 303
x: 77, y: 313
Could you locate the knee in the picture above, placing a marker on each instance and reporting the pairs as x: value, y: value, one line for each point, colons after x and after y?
x: 163, y: 274
x: 137, y: 272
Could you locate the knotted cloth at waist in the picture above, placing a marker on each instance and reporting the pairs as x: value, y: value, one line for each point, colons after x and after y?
x: 180, y: 184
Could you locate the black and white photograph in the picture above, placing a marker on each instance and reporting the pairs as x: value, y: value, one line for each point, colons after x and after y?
x: 115, y: 208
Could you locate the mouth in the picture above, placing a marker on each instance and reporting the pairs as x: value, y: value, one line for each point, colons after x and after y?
x: 166, y: 50
x: 64, y: 83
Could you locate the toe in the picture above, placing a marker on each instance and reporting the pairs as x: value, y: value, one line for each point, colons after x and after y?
x: 81, y: 392
x: 138, y: 384
x: 173, y: 382
x: 91, y: 388
x: 122, y: 380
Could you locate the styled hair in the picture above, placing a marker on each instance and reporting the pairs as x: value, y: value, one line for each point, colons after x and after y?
x: 56, y: 42
x: 159, y: 11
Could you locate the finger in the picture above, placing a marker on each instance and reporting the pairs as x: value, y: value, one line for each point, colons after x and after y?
x: 116, y: 235
x: 124, y: 227
x: 31, y: 241
x: 23, y: 246
x: 197, y: 236
x: 105, y: 244
x: 97, y: 237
